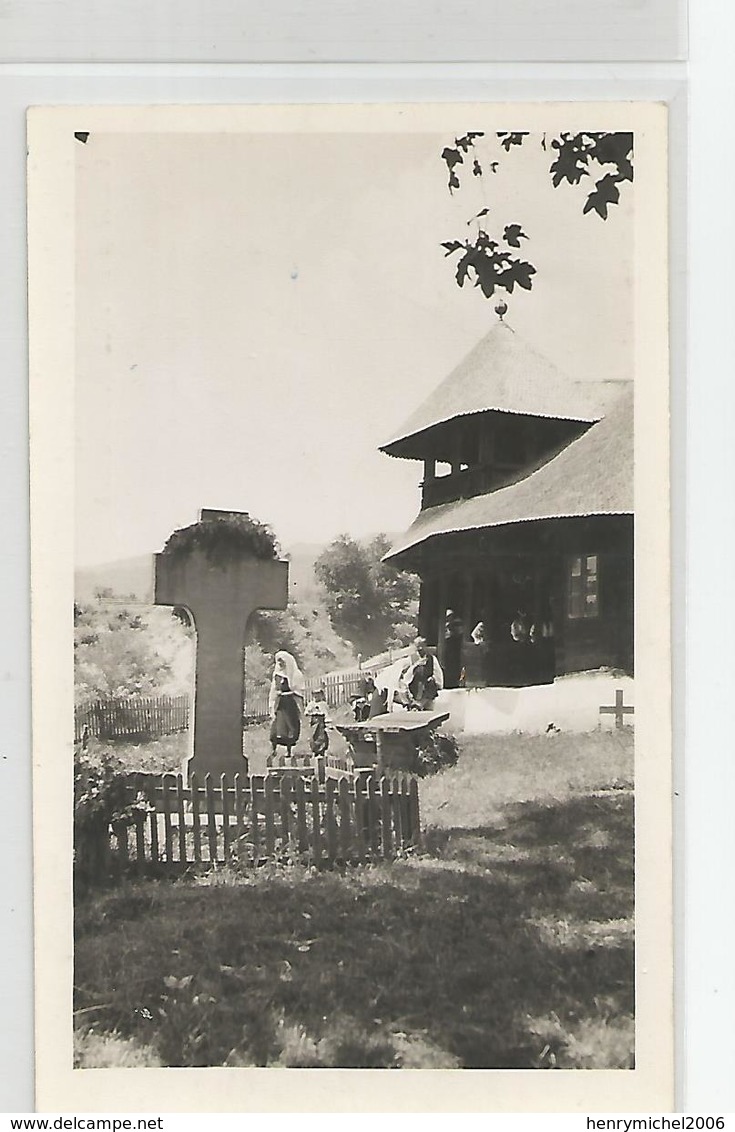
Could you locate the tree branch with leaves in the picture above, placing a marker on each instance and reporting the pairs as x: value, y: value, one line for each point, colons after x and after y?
x: 489, y: 261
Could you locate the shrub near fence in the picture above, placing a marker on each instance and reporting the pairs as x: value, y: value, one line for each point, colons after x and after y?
x: 250, y: 819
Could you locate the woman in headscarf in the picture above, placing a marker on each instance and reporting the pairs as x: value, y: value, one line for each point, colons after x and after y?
x: 286, y: 702
x: 390, y: 687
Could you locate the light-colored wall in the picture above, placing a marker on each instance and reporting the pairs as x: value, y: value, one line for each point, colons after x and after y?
x: 571, y: 703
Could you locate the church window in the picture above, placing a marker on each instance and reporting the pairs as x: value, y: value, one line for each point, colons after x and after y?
x: 583, y: 587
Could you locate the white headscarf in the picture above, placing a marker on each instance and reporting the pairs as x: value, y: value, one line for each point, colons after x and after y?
x: 290, y: 669
x: 392, y: 680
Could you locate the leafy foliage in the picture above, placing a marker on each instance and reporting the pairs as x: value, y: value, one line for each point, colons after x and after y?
x: 439, y: 751
x: 100, y: 800
x: 303, y: 629
x: 371, y: 603
x: 484, y: 261
x: 454, y: 155
x: 491, y: 266
x: 224, y: 539
x: 122, y: 649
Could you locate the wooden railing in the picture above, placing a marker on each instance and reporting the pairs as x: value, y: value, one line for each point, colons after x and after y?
x: 132, y: 717
x: 174, y: 825
x: 466, y: 483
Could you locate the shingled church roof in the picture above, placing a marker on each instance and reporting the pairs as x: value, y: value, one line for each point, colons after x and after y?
x: 592, y: 476
x: 503, y: 373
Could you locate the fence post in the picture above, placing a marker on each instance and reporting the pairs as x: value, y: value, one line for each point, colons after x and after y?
x: 139, y: 826
x: 330, y: 820
x: 386, y: 816
x: 225, y: 817
x: 211, y: 820
x: 286, y: 809
x: 316, y: 833
x: 360, y: 809
x: 167, y: 826
x: 270, y: 834
x: 181, y: 818
x: 415, y: 815
x: 345, y: 824
x: 195, y: 819
x: 154, y: 830
x: 254, y: 819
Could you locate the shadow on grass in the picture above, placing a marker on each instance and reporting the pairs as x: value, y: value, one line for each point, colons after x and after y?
x: 494, y: 948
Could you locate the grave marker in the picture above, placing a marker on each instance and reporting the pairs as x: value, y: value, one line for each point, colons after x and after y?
x: 618, y: 709
x: 221, y: 596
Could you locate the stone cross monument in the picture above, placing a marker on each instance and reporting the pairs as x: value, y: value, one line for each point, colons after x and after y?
x: 221, y: 597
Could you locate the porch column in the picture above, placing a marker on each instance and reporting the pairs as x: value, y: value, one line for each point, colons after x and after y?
x: 427, y: 495
x: 426, y: 601
x: 457, y: 447
x: 469, y: 618
x: 441, y: 594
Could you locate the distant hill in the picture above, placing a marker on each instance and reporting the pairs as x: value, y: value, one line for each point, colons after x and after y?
x: 133, y: 577
x: 128, y: 577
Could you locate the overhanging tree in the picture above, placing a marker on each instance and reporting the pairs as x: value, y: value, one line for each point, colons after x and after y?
x: 490, y: 260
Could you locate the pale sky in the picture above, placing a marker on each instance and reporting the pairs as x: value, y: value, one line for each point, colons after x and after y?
x: 256, y: 313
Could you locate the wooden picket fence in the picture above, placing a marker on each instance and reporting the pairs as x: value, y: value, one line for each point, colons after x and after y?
x: 281, y: 816
x: 150, y: 717
x: 132, y: 716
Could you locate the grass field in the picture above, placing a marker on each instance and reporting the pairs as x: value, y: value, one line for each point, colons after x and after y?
x: 506, y: 943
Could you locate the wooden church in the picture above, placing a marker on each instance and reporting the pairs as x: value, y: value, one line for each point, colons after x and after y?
x: 524, y: 540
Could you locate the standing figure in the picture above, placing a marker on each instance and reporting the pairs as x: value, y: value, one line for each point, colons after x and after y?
x: 521, y: 649
x: 286, y: 701
x: 361, y: 702
x: 424, y: 678
x: 452, y: 657
x: 318, y: 716
x: 520, y: 627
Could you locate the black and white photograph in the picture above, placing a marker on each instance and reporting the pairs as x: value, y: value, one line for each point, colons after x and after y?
x: 351, y: 611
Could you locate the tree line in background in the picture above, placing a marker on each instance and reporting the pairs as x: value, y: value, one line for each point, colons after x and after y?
x: 359, y: 605
x: 370, y: 603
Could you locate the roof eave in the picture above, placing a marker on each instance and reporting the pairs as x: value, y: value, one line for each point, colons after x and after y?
x: 503, y: 523
x: 391, y: 448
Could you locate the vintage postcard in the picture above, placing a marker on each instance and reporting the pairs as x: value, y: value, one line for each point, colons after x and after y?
x: 351, y: 652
